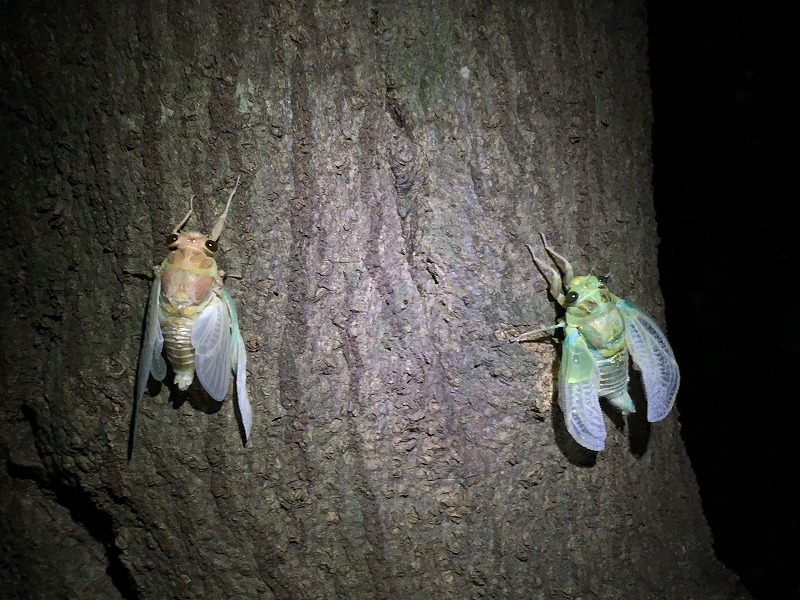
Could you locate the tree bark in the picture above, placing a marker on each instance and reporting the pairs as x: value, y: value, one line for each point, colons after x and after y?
x: 395, y: 159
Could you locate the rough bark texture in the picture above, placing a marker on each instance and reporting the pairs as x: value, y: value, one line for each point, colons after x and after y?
x: 395, y: 157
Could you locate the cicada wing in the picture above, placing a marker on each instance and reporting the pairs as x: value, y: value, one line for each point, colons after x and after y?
x: 653, y: 356
x: 159, y: 368
x: 240, y: 366
x: 241, y: 388
x: 211, y: 338
x: 150, y: 360
x: 578, y: 387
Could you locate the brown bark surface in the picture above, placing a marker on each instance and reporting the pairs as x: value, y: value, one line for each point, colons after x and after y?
x: 395, y: 158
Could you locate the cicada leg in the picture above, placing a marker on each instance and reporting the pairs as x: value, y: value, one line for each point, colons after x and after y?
x: 568, y: 271
x: 556, y: 286
x: 528, y: 334
x: 186, y: 218
x: 217, y: 229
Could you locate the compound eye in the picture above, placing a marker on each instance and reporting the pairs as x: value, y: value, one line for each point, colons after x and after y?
x: 172, y: 239
x: 572, y: 297
x: 211, y: 245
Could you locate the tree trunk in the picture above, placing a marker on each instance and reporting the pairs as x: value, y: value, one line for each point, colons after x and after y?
x: 395, y: 158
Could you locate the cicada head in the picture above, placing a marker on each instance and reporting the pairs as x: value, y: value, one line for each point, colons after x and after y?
x: 189, y: 271
x: 586, y: 295
x: 192, y: 241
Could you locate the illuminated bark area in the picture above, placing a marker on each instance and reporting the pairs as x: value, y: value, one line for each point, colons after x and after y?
x: 395, y: 158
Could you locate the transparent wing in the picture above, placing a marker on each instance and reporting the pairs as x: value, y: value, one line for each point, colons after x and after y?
x: 159, y: 368
x: 150, y: 359
x: 240, y: 366
x: 578, y: 386
x: 653, y: 356
x: 241, y: 388
x: 211, y: 338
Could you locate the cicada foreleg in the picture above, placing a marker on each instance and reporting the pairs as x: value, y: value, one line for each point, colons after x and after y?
x: 220, y: 223
x: 556, y: 279
x: 556, y: 285
x: 186, y: 218
x: 567, y: 268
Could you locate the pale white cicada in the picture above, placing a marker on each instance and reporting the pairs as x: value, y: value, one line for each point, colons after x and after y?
x: 191, y: 316
x: 600, y: 330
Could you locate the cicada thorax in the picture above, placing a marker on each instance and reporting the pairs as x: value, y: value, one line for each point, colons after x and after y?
x: 190, y: 281
x: 592, y: 310
x: 603, y: 330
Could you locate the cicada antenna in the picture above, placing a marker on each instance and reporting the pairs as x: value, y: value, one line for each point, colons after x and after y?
x: 568, y: 271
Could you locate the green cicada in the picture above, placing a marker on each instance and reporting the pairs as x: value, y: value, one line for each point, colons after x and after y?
x: 601, y: 330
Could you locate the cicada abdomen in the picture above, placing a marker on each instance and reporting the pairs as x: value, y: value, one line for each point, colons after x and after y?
x: 600, y: 332
x: 614, y: 381
x: 193, y: 319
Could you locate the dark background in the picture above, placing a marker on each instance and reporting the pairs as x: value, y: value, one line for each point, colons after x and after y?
x: 725, y: 152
